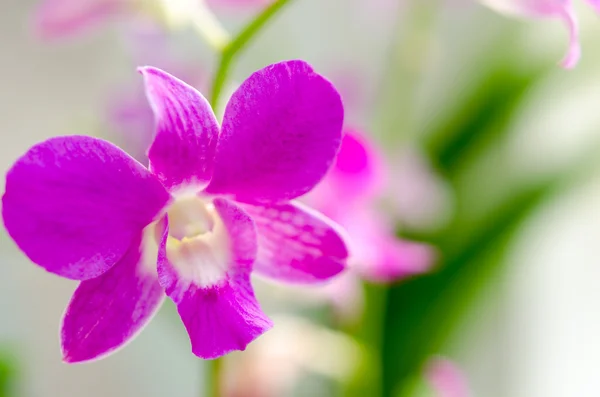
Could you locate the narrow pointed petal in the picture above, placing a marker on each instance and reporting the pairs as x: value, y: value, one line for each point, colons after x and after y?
x: 108, y: 311
x: 357, y: 175
x: 54, y: 19
x: 281, y: 131
x: 221, y: 314
x: 74, y: 204
x: 183, y: 150
x: 296, y: 244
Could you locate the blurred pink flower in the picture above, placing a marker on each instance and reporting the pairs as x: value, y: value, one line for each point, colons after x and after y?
x: 446, y: 378
x: 56, y: 19
x: 128, y: 115
x: 349, y: 194
x: 277, y: 363
x: 560, y: 9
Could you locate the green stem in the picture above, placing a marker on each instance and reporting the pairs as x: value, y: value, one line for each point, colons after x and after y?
x: 236, y: 45
x: 215, y: 381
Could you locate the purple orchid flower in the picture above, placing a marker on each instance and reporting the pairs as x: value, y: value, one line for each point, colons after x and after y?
x: 561, y: 9
x: 213, y: 203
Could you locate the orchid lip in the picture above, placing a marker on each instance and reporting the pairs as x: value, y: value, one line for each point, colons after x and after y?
x: 190, y: 216
x: 197, y: 244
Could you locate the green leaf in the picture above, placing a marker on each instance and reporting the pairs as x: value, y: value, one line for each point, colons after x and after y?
x: 8, y: 374
x: 422, y: 312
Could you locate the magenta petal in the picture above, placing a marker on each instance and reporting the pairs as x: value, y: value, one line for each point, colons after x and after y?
x: 74, y: 204
x: 296, y: 244
x: 281, y: 131
x: 357, y: 176
x: 225, y: 315
x: 56, y: 18
x: 108, y: 311
x: 222, y: 318
x: 183, y: 150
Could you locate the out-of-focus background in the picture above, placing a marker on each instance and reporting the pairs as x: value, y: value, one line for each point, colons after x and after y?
x: 510, y: 140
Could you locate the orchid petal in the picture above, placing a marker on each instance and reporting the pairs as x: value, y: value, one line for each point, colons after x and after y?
x: 357, y: 176
x: 224, y: 315
x: 281, y: 131
x: 186, y: 131
x: 57, y: 18
x: 74, y: 204
x: 296, y: 244
x: 110, y: 310
x: 378, y: 255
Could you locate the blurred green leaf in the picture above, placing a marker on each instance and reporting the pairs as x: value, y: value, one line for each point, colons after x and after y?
x: 421, y: 313
x: 483, y: 114
x: 8, y: 374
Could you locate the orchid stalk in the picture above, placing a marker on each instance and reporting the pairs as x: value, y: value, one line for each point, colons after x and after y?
x: 236, y: 45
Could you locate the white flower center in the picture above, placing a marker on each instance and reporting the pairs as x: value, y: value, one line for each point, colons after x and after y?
x: 189, y: 217
x: 198, y: 243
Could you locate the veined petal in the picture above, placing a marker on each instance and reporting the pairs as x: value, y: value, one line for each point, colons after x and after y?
x: 357, y: 175
x: 221, y: 314
x: 281, y: 131
x: 296, y: 244
x: 183, y: 150
x: 74, y: 204
x: 56, y: 18
x: 110, y: 310
x: 222, y: 318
